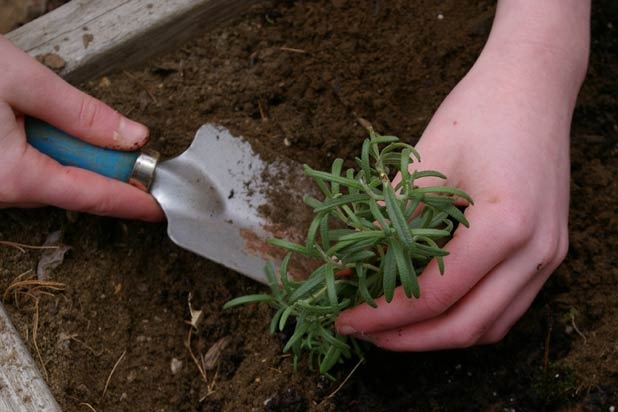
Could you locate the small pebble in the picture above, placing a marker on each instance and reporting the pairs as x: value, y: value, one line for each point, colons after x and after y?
x: 440, y: 16
x: 131, y: 376
x: 287, y: 142
x: 175, y: 366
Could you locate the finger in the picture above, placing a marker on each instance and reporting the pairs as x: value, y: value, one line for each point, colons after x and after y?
x: 51, y: 99
x: 473, y: 252
x: 469, y: 321
x: 80, y: 190
x: 29, y: 205
x: 503, y: 324
x: 524, y: 299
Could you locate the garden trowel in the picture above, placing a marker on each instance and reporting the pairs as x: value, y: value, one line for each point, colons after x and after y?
x: 210, y: 193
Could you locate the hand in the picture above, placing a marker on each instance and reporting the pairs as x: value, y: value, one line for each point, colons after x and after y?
x: 30, y: 179
x: 502, y: 135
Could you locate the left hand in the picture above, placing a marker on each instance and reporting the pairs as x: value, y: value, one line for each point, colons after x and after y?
x: 29, y: 178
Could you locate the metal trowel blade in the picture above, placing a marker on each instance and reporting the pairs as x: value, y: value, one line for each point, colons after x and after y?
x: 211, y: 195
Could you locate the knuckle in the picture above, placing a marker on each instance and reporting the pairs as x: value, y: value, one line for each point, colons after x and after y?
x: 100, y: 207
x: 88, y: 112
x: 563, y: 247
x: 551, y: 247
x: 495, y: 335
x: 471, y: 335
x: 516, y: 224
x: 437, y: 301
x: 382, y: 343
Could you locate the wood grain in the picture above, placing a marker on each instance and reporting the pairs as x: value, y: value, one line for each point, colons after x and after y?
x: 85, y: 39
x: 22, y: 388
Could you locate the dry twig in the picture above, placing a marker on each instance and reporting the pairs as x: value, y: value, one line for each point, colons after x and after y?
x: 35, y: 329
x: 109, y: 378
x: 31, y: 288
x: 200, y: 365
x: 292, y: 50
x: 73, y: 337
x: 25, y: 287
x: 263, y: 113
x: 87, y: 405
x: 22, y: 247
x: 576, y: 329
x: 347, y: 378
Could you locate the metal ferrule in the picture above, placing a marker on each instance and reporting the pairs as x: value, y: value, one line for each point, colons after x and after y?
x: 144, y: 169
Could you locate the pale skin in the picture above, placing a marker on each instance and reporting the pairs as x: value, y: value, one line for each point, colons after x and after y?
x: 502, y: 135
x: 29, y: 178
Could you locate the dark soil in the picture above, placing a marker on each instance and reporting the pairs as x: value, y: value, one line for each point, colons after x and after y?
x: 298, y: 79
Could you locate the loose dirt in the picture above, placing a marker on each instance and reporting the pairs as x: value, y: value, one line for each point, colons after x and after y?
x: 299, y: 79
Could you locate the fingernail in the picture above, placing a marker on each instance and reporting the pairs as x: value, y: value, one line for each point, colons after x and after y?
x: 130, y: 132
x: 346, y: 330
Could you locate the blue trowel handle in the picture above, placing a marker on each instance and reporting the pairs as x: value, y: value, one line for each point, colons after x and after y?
x: 70, y: 151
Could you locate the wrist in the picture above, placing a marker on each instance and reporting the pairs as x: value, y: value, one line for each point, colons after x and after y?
x: 545, y: 42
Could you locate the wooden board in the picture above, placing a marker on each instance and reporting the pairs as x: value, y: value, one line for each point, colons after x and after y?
x: 87, y: 38
x: 22, y: 389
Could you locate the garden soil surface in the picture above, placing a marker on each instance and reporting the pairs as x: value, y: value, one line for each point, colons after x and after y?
x: 299, y: 79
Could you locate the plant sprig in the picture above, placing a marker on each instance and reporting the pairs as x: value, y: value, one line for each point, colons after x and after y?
x: 371, y: 235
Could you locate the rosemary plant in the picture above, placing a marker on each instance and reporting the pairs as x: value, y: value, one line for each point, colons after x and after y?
x: 370, y: 236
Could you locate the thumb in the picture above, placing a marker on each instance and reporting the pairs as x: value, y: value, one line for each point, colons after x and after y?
x: 35, y: 90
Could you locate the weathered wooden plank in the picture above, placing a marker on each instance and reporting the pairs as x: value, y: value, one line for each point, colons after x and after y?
x: 22, y: 389
x: 87, y: 38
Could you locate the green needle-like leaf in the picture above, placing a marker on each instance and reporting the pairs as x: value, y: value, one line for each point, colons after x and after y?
x: 363, y: 255
x: 332, y: 178
x: 396, y: 217
x: 247, y: 299
x: 447, y: 190
x: 367, y: 234
x: 384, y: 139
x: 284, y: 317
x: 403, y: 166
x: 275, y: 320
x: 404, y: 267
x: 390, y: 273
x: 365, y: 160
x: 332, y: 356
x: 288, y: 285
x: 429, y: 232
x: 417, y: 174
x: 457, y: 215
x: 313, y: 230
x: 361, y: 272
x: 336, y: 171
x: 292, y: 247
x: 331, y: 289
x: 308, y: 286
x: 301, y: 328
x: 379, y: 217
x: 341, y: 200
x: 312, y: 202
